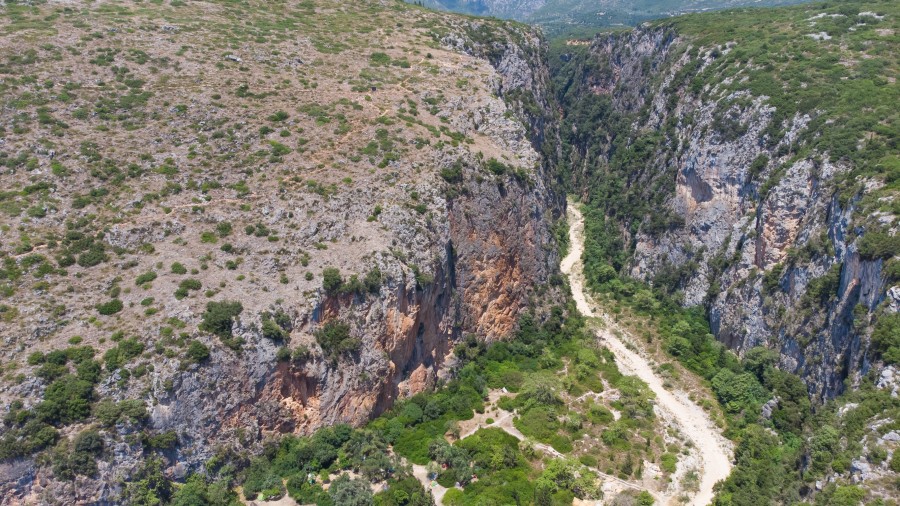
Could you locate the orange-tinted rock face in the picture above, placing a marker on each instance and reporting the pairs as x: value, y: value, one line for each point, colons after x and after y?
x: 408, y: 332
x: 455, y: 246
x: 783, y: 214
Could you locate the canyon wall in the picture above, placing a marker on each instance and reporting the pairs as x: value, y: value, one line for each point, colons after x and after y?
x: 404, y: 205
x: 490, y: 254
x: 745, y: 215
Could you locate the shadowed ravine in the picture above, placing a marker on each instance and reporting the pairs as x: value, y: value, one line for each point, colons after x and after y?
x: 714, y: 449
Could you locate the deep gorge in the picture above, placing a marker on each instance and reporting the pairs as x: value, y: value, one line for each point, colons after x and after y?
x: 699, y: 197
x: 349, y: 225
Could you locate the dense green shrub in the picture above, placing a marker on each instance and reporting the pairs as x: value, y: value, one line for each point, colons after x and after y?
x: 79, y: 457
x: 93, y: 256
x: 33, y: 435
x: 379, y: 58
x: 757, y: 166
x: 66, y: 400
x: 283, y: 354
x: 824, y: 288
x: 303, y: 492
x: 220, y: 317
x: 879, y: 245
x: 373, y: 280
x: 262, y: 481
x: 332, y: 280
x: 271, y: 330
x: 110, y: 308
x: 276, y: 326
x: 109, y: 412
x: 423, y: 279
x: 145, y: 278
x: 50, y: 371
x: 197, y: 492
x: 454, y: 173
x: 279, y: 116
x: 405, y: 491
x: 668, y: 461
x: 185, y: 287
x: 197, y: 352
x: 886, y: 337
x: 495, y: 167
x: 126, y: 350
x: 148, y: 485
x: 88, y: 370
x: 335, y: 340
x: 160, y: 441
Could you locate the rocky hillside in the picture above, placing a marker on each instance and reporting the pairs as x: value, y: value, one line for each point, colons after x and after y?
x: 223, y: 221
x: 747, y: 162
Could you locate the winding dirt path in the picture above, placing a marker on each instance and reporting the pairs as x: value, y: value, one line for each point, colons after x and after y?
x: 715, y: 451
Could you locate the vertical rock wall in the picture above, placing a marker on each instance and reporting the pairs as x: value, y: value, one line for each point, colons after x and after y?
x: 751, y: 228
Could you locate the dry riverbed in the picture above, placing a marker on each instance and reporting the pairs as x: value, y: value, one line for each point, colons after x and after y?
x: 715, y: 451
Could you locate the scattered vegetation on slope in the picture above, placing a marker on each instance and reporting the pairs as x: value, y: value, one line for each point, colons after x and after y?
x: 558, y: 387
x: 784, y: 445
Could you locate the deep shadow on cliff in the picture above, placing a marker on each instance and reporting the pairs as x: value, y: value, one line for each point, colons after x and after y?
x: 722, y: 196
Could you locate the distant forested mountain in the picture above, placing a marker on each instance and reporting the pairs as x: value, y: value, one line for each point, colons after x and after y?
x: 558, y: 16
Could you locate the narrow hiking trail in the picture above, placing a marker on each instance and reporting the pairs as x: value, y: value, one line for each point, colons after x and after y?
x: 715, y: 451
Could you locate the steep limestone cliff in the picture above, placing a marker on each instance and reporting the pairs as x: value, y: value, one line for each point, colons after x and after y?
x: 726, y: 170
x: 417, y: 172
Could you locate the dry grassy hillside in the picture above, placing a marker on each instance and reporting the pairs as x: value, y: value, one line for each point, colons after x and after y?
x: 181, y: 180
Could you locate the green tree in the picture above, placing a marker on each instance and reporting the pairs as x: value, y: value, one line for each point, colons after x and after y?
x: 350, y: 492
x: 332, y: 280
x: 219, y: 317
x: 192, y: 493
x: 335, y: 340
x: 148, y: 486
x: 197, y: 352
x: 886, y: 337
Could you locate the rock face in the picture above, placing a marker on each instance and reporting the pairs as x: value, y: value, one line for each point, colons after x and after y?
x: 427, y: 187
x: 483, y: 278
x: 756, y: 233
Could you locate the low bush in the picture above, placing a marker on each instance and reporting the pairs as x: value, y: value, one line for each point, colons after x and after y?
x: 110, y: 308
x: 668, y: 461
x: 186, y: 286
x: 145, y: 278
